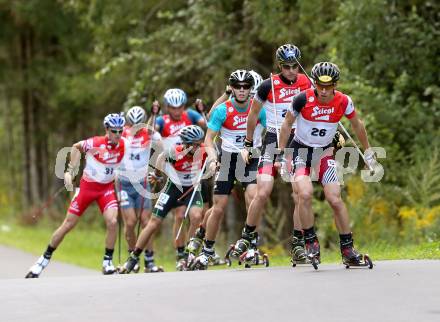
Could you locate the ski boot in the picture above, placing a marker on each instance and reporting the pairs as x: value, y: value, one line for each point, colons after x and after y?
x: 108, y: 268
x: 243, y: 246
x: 202, y: 261
x: 217, y: 260
x: 130, y: 264
x: 194, y: 246
x: 351, y: 258
x: 150, y: 267
x: 181, y: 262
x: 297, y: 252
x: 313, y: 251
x: 37, y: 268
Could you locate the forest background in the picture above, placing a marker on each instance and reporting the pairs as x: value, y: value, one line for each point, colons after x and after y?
x: 64, y: 65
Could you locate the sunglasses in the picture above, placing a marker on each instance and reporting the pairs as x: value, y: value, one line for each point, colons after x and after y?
x: 116, y: 131
x: 242, y: 86
x: 287, y: 66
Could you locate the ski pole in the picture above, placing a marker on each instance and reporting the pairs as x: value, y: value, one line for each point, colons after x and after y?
x: 194, y: 190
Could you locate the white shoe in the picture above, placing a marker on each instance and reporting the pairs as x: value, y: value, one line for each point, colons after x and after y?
x: 37, y: 268
x: 107, y: 267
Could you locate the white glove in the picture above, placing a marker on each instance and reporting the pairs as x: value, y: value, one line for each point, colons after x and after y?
x: 370, y: 159
x: 68, y: 181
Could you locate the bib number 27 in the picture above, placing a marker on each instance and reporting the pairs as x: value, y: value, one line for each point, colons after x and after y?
x: 318, y: 132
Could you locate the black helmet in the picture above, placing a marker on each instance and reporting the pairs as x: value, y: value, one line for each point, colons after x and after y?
x: 191, y: 133
x: 288, y: 54
x: 325, y: 72
x: 241, y: 76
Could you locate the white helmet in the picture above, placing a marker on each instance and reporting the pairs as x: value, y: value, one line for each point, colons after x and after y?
x: 136, y: 115
x: 257, y: 81
x: 175, y: 97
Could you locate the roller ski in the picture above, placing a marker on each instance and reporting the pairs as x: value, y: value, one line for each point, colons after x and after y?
x: 313, y: 252
x: 108, y: 268
x: 298, y: 253
x: 130, y: 264
x: 351, y: 258
x: 245, y: 251
x: 181, y: 262
x: 202, y: 261
x: 37, y: 268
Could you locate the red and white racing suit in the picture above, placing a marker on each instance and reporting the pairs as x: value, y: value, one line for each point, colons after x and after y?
x: 97, y: 182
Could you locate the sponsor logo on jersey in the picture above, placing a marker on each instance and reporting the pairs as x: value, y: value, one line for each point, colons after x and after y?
x: 322, y: 113
x: 286, y: 93
x: 276, y: 82
x: 240, y: 121
x: 176, y: 127
x: 311, y: 99
x: 231, y: 109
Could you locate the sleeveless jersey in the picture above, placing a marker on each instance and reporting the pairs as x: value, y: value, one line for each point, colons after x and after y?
x: 102, y: 158
x: 317, y: 122
x: 233, y: 131
x: 135, y: 164
x: 183, y: 168
x: 283, y: 99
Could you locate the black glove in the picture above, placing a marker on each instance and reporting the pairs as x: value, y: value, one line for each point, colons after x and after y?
x: 338, y: 141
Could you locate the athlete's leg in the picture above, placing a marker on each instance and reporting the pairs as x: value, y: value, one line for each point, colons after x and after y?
x: 264, y: 189
x: 216, y: 216
x: 195, y: 218
x: 130, y: 221
x: 68, y: 224
x: 111, y: 221
x: 332, y: 193
x: 179, y: 213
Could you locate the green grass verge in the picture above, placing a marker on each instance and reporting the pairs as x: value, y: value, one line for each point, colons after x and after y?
x: 84, y: 247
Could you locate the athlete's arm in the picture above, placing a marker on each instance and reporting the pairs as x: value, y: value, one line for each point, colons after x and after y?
x: 253, y: 117
x: 359, y: 129
x: 209, y: 143
x: 73, y: 167
x: 286, y: 127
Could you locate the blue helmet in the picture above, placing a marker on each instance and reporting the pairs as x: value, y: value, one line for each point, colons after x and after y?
x: 288, y: 54
x: 175, y: 97
x: 114, y: 120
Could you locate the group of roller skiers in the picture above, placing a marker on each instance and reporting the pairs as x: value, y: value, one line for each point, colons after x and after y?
x: 286, y: 124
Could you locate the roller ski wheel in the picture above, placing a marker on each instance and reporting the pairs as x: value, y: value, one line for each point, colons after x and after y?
x: 129, y: 265
x: 365, y: 262
x: 136, y: 269
x: 315, y: 262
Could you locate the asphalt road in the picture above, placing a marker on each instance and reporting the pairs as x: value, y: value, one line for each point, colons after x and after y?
x: 392, y: 291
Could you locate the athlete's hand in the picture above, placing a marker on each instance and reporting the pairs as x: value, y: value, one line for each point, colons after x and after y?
x: 281, y: 165
x: 68, y: 181
x: 154, y: 178
x: 338, y: 141
x: 370, y: 159
x: 246, y: 152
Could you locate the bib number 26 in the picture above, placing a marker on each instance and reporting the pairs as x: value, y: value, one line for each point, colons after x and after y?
x: 318, y: 132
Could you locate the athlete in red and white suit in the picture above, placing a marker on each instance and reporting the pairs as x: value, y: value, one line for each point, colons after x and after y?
x: 317, y: 113
x: 103, y: 155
